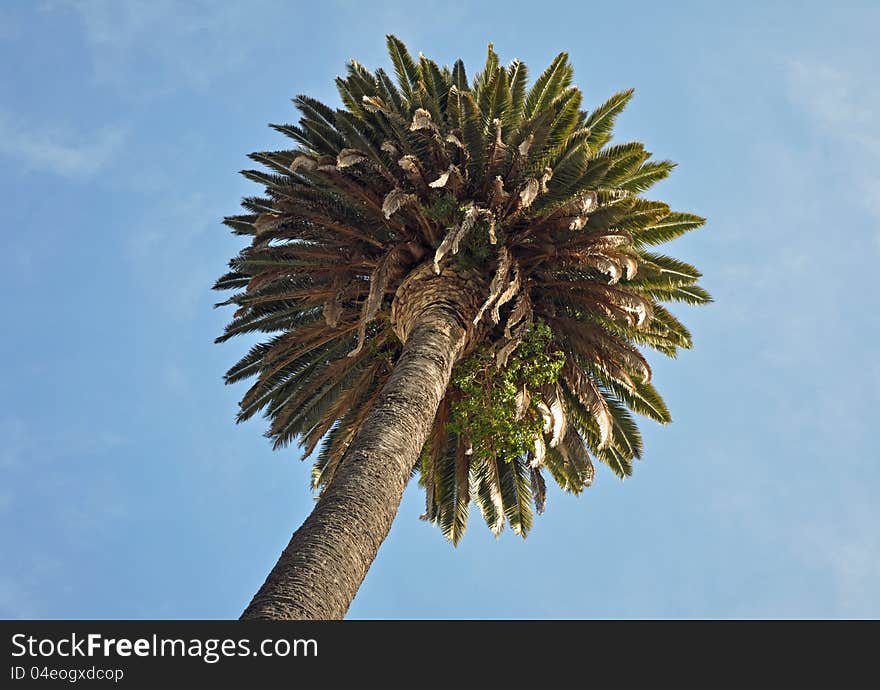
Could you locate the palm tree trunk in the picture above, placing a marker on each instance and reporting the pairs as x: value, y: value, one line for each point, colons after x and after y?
x: 320, y: 571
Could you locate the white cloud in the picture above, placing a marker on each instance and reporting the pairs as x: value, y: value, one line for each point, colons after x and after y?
x: 14, y: 435
x: 25, y: 447
x: 163, y: 247
x: 10, y: 27
x: 58, y: 150
x: 16, y: 601
x: 871, y: 191
x: 841, y: 103
x: 149, y: 47
x: 847, y: 550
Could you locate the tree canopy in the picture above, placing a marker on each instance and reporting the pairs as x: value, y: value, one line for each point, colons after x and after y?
x: 513, y: 183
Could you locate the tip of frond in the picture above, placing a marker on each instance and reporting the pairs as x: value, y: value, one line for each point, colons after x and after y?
x: 279, y: 442
x: 232, y: 221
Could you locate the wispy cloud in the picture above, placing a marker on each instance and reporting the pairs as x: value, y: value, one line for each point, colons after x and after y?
x: 9, y: 25
x: 871, y: 189
x: 164, y: 44
x: 851, y: 557
x: 58, y: 150
x: 841, y: 103
x: 161, y: 248
x: 24, y: 447
x: 16, y: 601
x: 14, y: 436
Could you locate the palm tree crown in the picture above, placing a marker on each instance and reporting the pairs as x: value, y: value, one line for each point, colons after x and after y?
x: 514, y: 189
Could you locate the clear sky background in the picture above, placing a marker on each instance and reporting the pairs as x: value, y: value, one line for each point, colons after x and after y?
x: 126, y: 490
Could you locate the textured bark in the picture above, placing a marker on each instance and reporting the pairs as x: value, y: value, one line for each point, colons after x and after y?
x: 320, y: 571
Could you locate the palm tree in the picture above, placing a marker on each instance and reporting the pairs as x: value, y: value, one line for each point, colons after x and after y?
x: 457, y: 277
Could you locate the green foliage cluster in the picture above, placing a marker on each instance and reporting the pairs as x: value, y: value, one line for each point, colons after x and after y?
x: 446, y: 210
x: 476, y: 250
x: 485, y: 408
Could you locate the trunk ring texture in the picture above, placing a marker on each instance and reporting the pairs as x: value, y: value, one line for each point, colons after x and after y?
x: 423, y: 289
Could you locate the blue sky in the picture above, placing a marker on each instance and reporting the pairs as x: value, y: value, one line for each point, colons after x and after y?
x: 126, y: 491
